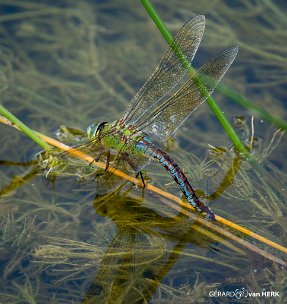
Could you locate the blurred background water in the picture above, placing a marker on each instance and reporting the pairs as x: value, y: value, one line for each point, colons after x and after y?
x: 73, y: 62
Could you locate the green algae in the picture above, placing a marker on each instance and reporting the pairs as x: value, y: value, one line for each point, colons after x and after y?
x: 74, y: 63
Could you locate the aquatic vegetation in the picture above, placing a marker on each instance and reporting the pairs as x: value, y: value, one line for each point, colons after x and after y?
x: 72, y: 63
x: 14, y: 235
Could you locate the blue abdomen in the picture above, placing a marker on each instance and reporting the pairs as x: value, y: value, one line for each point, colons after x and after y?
x: 147, y: 147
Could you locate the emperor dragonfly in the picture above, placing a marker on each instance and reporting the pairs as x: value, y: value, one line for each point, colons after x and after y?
x: 149, y: 116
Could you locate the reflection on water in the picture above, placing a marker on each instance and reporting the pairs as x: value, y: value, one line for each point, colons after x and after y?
x: 75, y: 62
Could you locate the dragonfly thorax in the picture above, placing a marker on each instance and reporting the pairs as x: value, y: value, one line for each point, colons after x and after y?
x: 114, y: 136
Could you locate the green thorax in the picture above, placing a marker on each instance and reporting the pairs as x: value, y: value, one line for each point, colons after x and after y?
x: 116, y: 136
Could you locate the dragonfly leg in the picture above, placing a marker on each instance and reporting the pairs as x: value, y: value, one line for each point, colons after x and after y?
x: 138, y: 174
x: 108, y: 160
x: 143, y: 183
x: 142, y: 179
x: 96, y: 159
x: 107, y: 163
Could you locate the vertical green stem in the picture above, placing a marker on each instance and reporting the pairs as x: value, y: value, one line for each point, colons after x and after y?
x: 211, y: 102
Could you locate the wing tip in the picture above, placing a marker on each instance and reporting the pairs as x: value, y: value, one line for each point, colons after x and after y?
x: 232, y: 50
x: 195, y: 20
x: 199, y: 17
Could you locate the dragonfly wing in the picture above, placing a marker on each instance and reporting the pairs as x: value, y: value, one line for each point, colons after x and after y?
x: 128, y: 163
x: 169, y: 71
x: 125, y: 272
x: 65, y: 163
x: 169, y: 116
x: 138, y: 162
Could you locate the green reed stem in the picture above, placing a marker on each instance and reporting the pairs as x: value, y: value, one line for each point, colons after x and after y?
x: 25, y: 129
x: 215, y: 108
x: 211, y: 102
x: 239, y: 99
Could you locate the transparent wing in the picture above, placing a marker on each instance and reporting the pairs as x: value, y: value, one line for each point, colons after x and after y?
x: 57, y: 163
x: 163, y: 122
x: 126, y: 162
x: 169, y: 71
x: 125, y: 272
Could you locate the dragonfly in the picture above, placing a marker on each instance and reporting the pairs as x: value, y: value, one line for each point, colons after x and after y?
x: 153, y: 116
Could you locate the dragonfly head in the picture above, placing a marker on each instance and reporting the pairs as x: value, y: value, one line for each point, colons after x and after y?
x: 94, y: 130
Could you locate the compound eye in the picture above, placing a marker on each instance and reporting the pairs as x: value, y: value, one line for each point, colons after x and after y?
x: 101, y: 127
x: 92, y: 130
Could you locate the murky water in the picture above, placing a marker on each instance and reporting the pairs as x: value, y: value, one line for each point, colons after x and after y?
x: 65, y: 241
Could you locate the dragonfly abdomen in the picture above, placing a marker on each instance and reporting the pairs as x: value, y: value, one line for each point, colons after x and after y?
x: 170, y: 165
